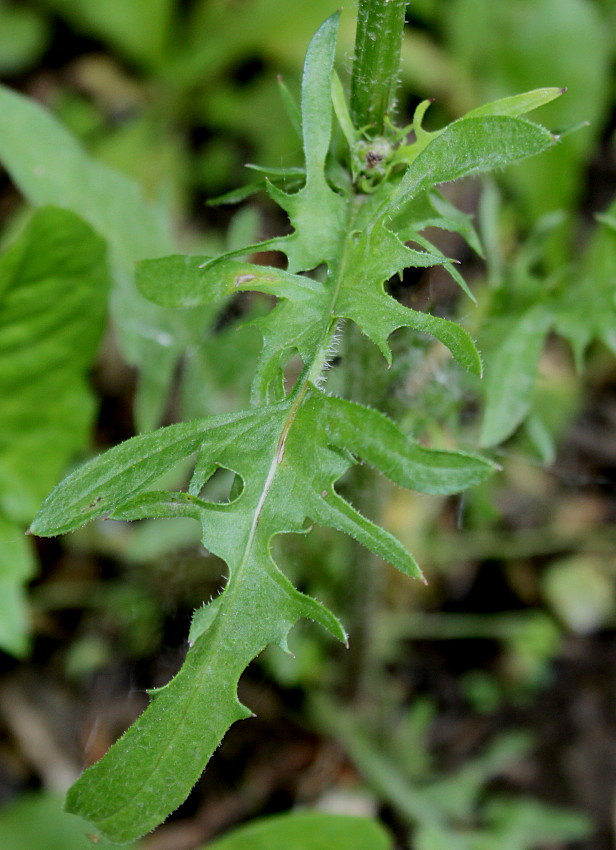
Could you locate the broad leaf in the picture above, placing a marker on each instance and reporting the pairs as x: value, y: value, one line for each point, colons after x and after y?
x: 50, y: 167
x: 53, y: 285
x: 307, y: 831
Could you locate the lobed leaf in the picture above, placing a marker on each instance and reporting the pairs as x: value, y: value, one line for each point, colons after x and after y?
x: 377, y: 440
x: 316, y: 212
x: 291, y: 326
x: 375, y: 255
x: 190, y: 281
x: 291, y: 449
x: 289, y: 456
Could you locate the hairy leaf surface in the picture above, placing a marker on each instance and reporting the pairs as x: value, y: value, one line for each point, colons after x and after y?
x: 292, y: 447
x: 289, y: 457
x: 469, y: 146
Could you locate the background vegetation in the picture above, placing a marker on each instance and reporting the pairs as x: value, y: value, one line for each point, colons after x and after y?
x: 474, y: 706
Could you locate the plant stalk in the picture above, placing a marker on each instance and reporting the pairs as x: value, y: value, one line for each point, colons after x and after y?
x: 363, y: 367
x: 376, y: 65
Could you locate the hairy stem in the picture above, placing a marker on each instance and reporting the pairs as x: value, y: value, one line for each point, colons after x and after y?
x: 377, y: 62
x: 376, y: 67
x: 362, y: 362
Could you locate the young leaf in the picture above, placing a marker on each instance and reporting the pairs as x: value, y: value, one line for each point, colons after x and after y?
x: 375, y: 254
x: 510, y: 382
x: 316, y: 212
x: 468, y: 146
x: 516, y: 105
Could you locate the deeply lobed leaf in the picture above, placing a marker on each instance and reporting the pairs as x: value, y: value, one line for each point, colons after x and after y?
x: 291, y: 449
x: 289, y: 457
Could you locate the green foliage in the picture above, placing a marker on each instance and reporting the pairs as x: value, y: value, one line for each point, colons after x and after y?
x: 53, y: 296
x: 578, y: 305
x: 289, y: 450
x: 453, y: 810
x: 37, y: 822
x: 307, y: 831
x: 503, y: 45
x: 136, y: 29
x: 49, y: 166
x: 22, y: 38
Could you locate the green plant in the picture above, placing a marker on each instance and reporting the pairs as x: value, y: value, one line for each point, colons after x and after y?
x: 286, y: 452
x: 522, y: 306
x: 53, y: 292
x: 457, y: 809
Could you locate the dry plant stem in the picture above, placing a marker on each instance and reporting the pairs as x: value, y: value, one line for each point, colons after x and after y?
x: 377, y: 62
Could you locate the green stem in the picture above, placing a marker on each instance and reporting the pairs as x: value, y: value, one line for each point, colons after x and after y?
x: 363, y: 367
x: 376, y: 65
